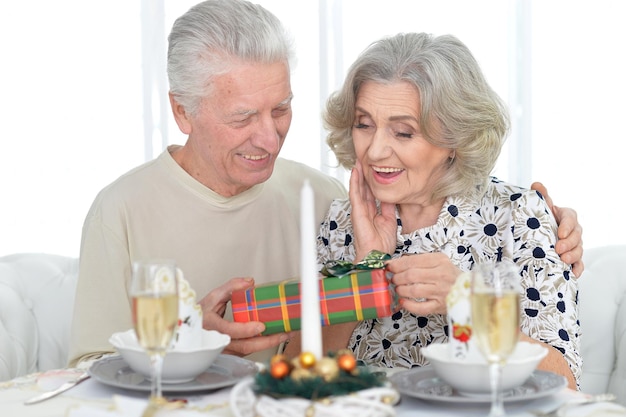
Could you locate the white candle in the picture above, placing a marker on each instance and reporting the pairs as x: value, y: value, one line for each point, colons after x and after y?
x: 309, y: 281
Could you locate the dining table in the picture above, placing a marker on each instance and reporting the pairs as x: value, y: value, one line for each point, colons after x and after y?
x: 92, y: 398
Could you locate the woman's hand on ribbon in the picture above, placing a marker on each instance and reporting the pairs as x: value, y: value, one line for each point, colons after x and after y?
x: 423, y: 282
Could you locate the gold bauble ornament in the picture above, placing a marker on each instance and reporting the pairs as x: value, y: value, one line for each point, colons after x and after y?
x: 278, y: 358
x: 343, y: 351
x: 307, y: 360
x: 299, y: 374
x: 295, y: 363
x: 327, y: 368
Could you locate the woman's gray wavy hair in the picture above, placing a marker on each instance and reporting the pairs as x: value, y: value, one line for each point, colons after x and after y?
x: 213, y: 35
x: 458, y: 109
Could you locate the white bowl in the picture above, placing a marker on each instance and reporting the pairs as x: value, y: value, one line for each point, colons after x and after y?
x: 472, y: 378
x: 179, y: 365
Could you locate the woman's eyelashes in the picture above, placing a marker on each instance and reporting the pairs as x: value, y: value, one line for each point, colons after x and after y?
x: 398, y: 132
x: 404, y: 135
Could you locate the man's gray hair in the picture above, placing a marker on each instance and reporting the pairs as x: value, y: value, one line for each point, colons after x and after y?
x: 213, y: 35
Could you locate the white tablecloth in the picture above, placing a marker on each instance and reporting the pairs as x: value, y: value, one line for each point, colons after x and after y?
x: 91, y: 396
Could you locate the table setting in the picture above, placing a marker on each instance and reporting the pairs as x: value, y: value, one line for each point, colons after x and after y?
x: 110, y: 387
x: 168, y: 365
x: 92, y: 398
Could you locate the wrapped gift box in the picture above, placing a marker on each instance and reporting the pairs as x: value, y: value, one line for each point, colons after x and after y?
x: 352, y: 297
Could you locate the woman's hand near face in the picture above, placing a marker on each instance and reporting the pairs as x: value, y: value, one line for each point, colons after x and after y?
x: 428, y: 277
x: 244, y: 337
x: 372, y: 230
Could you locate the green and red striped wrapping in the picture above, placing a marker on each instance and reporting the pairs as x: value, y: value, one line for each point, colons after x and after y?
x: 352, y: 297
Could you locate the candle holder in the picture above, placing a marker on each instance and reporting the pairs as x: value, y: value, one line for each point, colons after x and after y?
x: 334, y: 385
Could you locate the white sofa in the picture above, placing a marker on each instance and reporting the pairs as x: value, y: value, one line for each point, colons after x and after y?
x: 36, y: 303
x: 602, y: 313
x: 37, y: 293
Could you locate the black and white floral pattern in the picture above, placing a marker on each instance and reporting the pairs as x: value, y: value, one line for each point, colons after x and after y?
x: 508, y: 221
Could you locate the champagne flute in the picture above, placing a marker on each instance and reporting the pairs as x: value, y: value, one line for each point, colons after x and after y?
x: 154, y: 294
x: 495, y: 295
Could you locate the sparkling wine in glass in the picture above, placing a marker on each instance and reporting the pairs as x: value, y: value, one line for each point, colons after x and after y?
x: 154, y: 294
x: 495, y: 302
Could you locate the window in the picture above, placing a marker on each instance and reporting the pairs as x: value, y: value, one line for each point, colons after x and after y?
x: 75, y: 79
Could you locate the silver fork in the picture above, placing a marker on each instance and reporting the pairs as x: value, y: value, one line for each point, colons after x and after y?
x: 589, y: 400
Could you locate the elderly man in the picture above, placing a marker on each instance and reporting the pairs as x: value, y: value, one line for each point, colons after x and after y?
x: 223, y: 205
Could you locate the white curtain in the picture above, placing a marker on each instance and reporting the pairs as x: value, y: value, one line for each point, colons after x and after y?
x: 84, y: 97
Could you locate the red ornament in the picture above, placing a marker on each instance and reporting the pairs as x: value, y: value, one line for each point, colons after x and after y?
x: 279, y: 369
x: 461, y: 333
x: 347, y: 362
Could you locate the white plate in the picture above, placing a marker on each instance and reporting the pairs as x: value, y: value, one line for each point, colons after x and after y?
x: 424, y: 384
x: 227, y: 370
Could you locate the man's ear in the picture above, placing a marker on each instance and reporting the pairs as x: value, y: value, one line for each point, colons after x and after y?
x: 180, y: 115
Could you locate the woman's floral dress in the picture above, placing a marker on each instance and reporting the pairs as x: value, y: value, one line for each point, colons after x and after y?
x: 507, y: 221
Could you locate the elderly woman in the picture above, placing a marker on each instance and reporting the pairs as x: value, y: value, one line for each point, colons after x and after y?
x: 422, y: 130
